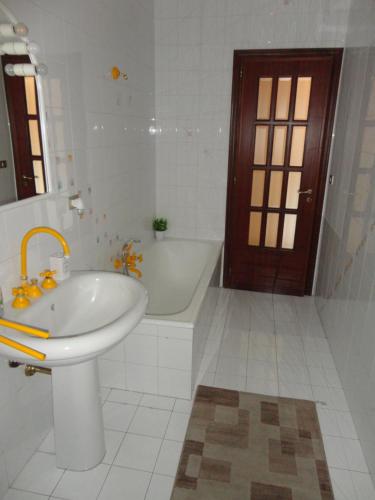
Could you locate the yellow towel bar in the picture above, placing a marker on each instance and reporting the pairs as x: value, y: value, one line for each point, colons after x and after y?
x: 22, y: 348
x: 44, y: 334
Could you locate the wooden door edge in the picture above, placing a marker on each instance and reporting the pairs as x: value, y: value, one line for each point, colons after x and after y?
x: 236, y: 79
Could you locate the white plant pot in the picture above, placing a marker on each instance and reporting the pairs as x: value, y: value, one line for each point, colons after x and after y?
x: 160, y: 235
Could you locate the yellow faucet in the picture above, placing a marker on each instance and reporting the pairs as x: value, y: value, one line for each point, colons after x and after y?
x: 128, y: 259
x: 25, y: 241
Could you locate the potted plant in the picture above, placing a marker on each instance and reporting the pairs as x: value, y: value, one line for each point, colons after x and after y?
x: 160, y: 226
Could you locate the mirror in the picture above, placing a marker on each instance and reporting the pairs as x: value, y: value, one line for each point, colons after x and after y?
x: 23, y: 169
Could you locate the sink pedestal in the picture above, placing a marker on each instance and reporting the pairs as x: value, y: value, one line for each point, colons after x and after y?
x: 78, y: 418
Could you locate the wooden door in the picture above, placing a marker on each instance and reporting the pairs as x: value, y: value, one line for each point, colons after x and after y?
x: 282, y: 114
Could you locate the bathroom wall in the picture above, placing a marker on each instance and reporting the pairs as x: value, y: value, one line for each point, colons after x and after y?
x: 99, y: 143
x: 346, y: 277
x: 194, y: 53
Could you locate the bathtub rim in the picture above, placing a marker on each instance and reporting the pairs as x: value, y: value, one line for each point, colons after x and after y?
x: 188, y: 317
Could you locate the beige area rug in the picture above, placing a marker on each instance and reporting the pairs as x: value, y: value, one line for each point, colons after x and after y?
x: 242, y: 446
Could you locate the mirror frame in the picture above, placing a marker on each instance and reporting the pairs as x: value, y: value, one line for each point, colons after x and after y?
x: 49, y: 176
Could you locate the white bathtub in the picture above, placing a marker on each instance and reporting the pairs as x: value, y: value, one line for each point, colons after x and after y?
x: 176, y: 274
x: 163, y: 354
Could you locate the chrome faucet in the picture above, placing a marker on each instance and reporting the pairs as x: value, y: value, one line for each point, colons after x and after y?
x: 125, y: 247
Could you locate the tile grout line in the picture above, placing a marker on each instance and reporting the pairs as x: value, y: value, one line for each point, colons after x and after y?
x: 158, y: 455
x: 118, y: 449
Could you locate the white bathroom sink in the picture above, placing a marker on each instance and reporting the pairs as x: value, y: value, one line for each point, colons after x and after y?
x: 87, y: 315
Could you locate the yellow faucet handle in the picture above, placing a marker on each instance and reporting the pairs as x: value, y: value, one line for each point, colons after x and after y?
x: 47, y: 273
x: 48, y: 281
x: 20, y: 301
x: 33, y: 290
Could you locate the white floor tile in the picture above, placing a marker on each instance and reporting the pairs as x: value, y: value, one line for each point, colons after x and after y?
x: 354, y: 455
x: 363, y: 486
x: 129, y: 397
x: 138, y: 452
x: 290, y: 328
x: 332, y: 397
x: 293, y: 390
x: 346, y: 425
x: 113, y: 440
x: 48, y: 445
x: 292, y: 373
x: 231, y: 382
x: 183, y: 406
x: 82, y: 485
x: 328, y: 422
x: 262, y: 386
x: 291, y: 355
x: 261, y: 369
x: 177, y: 426
x: 335, y: 452
x: 159, y: 402
x: 231, y: 366
x: 235, y: 344
x: 124, y: 483
x: 13, y: 494
x: 117, y: 416
x: 317, y: 377
x: 266, y: 338
x: 169, y: 457
x: 150, y: 422
x: 160, y: 488
x: 262, y: 352
x: 40, y: 474
x: 342, y: 484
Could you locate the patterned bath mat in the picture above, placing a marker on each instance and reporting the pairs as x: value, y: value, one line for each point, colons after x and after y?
x: 242, y: 446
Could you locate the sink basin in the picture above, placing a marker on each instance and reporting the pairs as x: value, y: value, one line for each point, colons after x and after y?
x: 86, y: 315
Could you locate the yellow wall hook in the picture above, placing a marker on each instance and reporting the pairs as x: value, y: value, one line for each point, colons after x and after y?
x: 116, y: 73
x: 23, y: 348
x: 20, y: 327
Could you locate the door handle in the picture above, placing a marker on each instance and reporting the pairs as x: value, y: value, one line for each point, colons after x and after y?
x: 308, y: 191
x: 29, y: 177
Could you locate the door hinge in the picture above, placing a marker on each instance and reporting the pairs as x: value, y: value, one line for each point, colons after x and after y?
x: 234, y: 180
x: 241, y: 72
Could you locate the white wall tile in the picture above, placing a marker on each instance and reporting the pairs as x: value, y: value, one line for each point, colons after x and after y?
x: 345, y: 282
x: 176, y: 383
x: 89, y: 118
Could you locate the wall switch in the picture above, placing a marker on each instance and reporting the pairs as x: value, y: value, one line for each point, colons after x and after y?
x: 3, y: 164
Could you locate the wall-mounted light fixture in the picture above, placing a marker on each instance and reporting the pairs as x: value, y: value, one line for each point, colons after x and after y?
x: 19, y: 48
x: 12, y: 30
x: 26, y: 69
